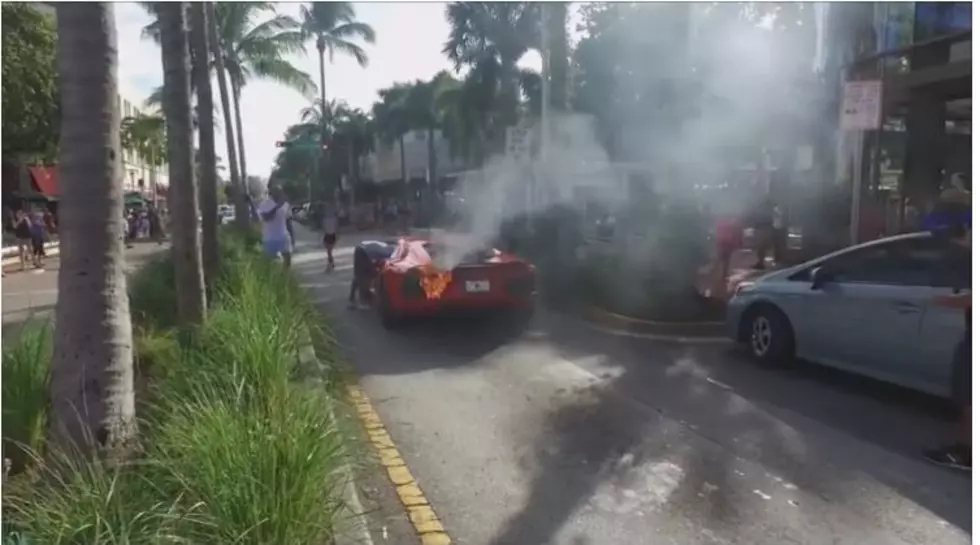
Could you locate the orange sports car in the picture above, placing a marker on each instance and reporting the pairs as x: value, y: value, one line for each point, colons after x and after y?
x: 423, y: 278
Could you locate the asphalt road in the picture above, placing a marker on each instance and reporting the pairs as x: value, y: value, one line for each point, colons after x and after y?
x: 567, y: 435
x: 35, y: 292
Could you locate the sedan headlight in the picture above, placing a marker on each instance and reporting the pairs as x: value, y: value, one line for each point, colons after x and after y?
x: 743, y: 287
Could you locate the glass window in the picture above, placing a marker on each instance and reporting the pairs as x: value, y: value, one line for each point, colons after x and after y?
x: 934, y: 19
x: 910, y: 262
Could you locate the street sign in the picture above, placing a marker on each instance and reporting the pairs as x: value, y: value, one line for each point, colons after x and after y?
x: 861, y: 106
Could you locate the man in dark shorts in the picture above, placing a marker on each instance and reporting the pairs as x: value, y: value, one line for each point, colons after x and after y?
x: 959, y: 455
x: 330, y: 225
x: 368, y: 255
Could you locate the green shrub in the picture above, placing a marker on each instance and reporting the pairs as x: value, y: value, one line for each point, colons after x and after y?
x: 90, y: 502
x: 153, y: 294
x: 235, y: 450
x: 26, y: 368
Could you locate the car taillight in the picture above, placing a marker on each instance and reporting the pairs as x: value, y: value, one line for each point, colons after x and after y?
x: 412, y: 285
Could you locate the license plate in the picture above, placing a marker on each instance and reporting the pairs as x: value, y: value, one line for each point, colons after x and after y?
x: 477, y: 286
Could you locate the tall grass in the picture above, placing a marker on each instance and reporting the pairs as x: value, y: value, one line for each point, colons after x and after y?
x: 26, y: 368
x: 236, y: 450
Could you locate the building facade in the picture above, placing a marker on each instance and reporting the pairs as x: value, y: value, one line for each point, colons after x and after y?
x: 921, y: 54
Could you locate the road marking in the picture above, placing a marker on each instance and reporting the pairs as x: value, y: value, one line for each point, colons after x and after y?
x: 427, y: 525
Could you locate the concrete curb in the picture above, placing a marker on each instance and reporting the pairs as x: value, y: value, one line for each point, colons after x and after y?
x: 683, y: 332
x: 352, y: 528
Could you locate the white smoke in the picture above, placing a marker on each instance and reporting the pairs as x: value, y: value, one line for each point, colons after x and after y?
x: 748, y: 83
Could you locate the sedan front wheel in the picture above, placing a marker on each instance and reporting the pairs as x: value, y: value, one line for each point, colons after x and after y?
x: 770, y: 336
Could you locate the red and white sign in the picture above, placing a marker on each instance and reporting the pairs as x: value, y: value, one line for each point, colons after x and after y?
x: 861, y: 106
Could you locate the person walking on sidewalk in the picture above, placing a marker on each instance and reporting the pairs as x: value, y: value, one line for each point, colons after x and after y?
x: 277, y: 226
x: 22, y: 232
x: 330, y: 225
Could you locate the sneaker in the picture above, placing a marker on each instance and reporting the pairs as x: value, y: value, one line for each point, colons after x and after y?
x: 953, y: 456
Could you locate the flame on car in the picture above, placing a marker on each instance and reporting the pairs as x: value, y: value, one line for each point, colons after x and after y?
x: 434, y: 281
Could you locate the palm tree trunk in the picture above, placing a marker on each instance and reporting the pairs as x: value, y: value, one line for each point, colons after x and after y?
x: 321, y: 156
x: 433, y: 166
x: 241, y: 207
x: 180, y: 152
x: 558, y: 51
x: 208, y: 185
x: 236, y: 97
x: 91, y: 386
x: 401, y: 152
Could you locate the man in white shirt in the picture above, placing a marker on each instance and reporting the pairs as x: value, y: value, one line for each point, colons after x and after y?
x: 277, y: 226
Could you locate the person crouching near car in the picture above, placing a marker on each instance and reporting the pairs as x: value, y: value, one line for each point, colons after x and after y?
x: 368, y: 255
x: 959, y: 454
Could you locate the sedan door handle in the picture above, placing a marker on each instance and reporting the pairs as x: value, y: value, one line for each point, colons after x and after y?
x: 905, y: 307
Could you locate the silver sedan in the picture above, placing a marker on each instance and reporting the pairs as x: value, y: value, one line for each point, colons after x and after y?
x: 866, y: 309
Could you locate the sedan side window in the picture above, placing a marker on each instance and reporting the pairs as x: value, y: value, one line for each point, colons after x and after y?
x: 907, y: 262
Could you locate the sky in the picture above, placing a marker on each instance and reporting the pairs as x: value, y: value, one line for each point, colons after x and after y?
x: 410, y: 38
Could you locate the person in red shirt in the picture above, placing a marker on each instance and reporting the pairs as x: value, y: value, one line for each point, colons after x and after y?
x: 728, y: 239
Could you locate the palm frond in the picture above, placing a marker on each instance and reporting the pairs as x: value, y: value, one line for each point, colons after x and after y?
x: 284, y: 72
x: 343, y: 46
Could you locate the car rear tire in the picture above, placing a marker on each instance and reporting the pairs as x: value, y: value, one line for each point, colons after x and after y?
x: 769, y: 336
x: 389, y: 319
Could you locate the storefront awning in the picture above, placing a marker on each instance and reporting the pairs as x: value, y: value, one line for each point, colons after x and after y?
x: 134, y: 198
x: 45, y: 180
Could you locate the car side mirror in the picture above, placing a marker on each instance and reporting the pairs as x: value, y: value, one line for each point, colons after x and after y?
x: 819, y: 276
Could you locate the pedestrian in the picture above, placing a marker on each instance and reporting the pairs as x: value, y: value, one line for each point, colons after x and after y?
x: 37, y: 240
x: 329, y: 233
x: 779, y: 234
x: 728, y: 239
x: 368, y: 255
x: 156, y: 229
x: 762, y: 227
x: 277, y: 226
x: 959, y: 454
x: 22, y: 233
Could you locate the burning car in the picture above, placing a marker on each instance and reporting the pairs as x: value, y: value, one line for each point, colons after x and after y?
x: 423, y: 278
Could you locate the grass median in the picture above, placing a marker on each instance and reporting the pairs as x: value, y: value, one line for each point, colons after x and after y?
x: 237, y: 445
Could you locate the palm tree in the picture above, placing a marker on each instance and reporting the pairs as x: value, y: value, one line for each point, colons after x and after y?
x: 237, y: 182
x: 498, y: 34
x: 556, y: 19
x: 258, y: 50
x: 467, y: 112
x: 392, y: 119
x: 353, y: 133
x: 254, y: 50
x: 423, y: 107
x: 334, y: 26
x: 191, y: 300
x: 91, y: 386
x: 146, y: 136
x: 200, y: 57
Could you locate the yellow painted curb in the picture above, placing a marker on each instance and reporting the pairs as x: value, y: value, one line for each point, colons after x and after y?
x: 424, y: 519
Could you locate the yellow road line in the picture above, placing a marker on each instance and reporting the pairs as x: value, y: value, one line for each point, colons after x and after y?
x: 417, y: 507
